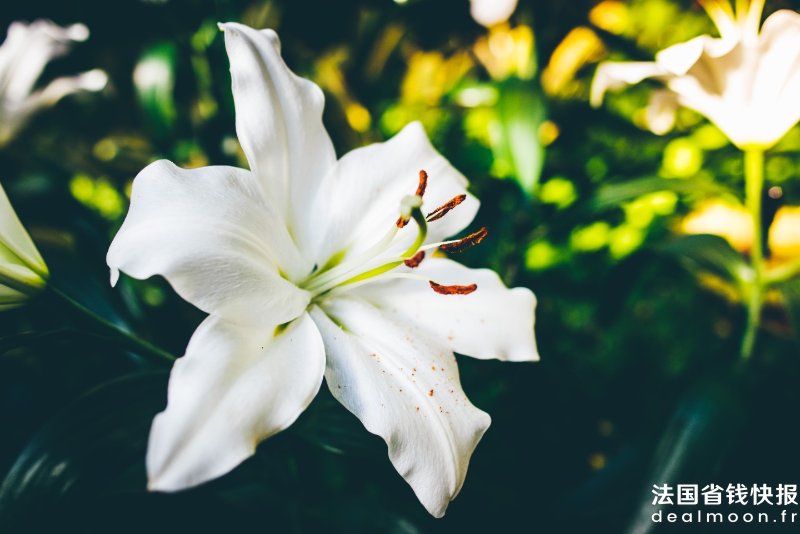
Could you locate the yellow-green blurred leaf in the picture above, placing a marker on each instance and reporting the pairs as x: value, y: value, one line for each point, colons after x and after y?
x: 520, y: 114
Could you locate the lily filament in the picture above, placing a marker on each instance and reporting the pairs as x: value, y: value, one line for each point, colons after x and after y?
x: 376, y: 261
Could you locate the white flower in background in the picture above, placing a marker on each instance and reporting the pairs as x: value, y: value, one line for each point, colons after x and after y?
x: 746, y: 82
x: 491, y: 12
x: 24, y: 54
x: 23, y: 272
x: 723, y: 218
x: 309, y: 266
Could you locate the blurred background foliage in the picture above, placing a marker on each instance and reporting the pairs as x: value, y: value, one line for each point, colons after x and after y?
x: 639, y: 317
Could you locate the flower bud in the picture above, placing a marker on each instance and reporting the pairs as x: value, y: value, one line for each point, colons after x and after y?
x: 23, y: 273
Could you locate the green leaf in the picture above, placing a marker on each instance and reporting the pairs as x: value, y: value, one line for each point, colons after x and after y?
x: 790, y: 290
x: 328, y: 425
x: 710, y: 253
x: 613, y: 195
x: 24, y: 339
x: 703, y: 427
x: 520, y: 112
x: 93, y: 447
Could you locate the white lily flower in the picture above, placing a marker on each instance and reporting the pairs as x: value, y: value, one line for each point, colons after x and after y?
x: 24, y: 54
x: 746, y: 82
x: 309, y: 266
x: 23, y: 272
x: 490, y: 13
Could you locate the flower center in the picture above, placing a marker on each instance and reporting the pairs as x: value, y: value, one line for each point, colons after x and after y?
x: 377, y: 261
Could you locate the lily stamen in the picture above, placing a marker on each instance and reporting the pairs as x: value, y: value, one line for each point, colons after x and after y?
x: 470, y: 241
x: 453, y: 290
x: 414, y: 262
x: 423, y: 183
x: 445, y: 208
x: 388, y: 276
x: 370, y: 265
x: 348, y: 272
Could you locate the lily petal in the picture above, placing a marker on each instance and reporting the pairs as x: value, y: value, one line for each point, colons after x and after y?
x: 779, y: 55
x: 279, y: 124
x: 93, y: 80
x: 616, y: 75
x: 11, y: 298
x: 492, y: 322
x: 404, y: 387
x: 491, y: 12
x: 680, y: 58
x: 16, y: 114
x: 712, y: 76
x: 777, y: 82
x: 235, y: 387
x: 23, y: 56
x: 27, y: 50
x: 211, y: 234
x: 661, y: 110
x: 360, y: 199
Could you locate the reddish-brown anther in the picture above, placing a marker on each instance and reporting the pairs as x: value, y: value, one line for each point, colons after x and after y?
x: 423, y: 183
x: 470, y: 241
x: 445, y: 208
x: 414, y: 261
x: 453, y: 290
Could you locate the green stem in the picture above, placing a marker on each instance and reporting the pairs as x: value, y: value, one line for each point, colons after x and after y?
x: 754, y: 185
x: 422, y: 233
x: 113, y: 331
x: 372, y: 273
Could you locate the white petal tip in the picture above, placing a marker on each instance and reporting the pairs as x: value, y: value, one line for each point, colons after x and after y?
x: 438, y: 514
x: 531, y: 357
x: 437, y: 508
x: 597, y: 91
x: 415, y: 127
x: 78, y: 32
x: 114, y: 276
x: 489, y: 13
x: 157, y: 485
x: 235, y: 27
x: 235, y: 30
x: 94, y: 80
